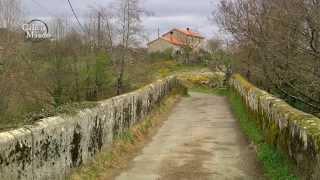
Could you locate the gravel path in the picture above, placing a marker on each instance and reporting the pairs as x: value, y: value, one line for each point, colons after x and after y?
x: 201, y: 140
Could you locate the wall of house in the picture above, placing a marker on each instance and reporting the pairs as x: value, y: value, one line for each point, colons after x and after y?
x: 160, y: 45
x: 50, y: 148
x: 292, y: 131
x: 176, y: 35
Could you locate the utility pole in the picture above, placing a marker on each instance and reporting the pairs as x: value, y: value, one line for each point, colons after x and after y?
x: 158, y: 32
x: 99, y: 30
x: 97, y: 83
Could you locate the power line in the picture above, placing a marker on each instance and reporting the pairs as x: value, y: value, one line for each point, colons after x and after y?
x: 75, y: 15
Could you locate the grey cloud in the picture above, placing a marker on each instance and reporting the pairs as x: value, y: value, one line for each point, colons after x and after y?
x: 167, y: 13
x: 180, y: 7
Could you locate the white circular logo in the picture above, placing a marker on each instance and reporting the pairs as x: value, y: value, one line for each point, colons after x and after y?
x: 36, y: 30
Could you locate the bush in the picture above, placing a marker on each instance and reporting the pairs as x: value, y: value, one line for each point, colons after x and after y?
x: 156, y: 56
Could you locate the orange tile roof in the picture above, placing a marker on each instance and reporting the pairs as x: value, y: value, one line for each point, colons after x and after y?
x: 190, y: 33
x: 173, y: 41
x: 176, y: 41
x: 186, y: 32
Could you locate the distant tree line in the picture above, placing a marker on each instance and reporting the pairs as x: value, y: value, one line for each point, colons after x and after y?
x: 76, y: 65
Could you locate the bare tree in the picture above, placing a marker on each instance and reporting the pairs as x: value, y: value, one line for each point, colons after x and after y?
x: 10, y: 13
x: 128, y: 17
x: 277, y: 44
x: 60, y: 27
x: 100, y: 27
x: 10, y: 21
x: 214, y: 44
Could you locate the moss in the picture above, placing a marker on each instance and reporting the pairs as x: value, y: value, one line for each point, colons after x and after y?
x: 75, y: 151
x: 126, y: 116
x: 307, y: 121
x: 96, y: 136
x: 21, y: 154
x: 294, y: 132
x: 272, y: 133
x: 126, y: 145
x: 116, y: 124
x: 49, y: 149
x: 139, y: 108
x: 204, y: 79
x: 150, y: 102
x: 4, y: 161
x: 275, y: 163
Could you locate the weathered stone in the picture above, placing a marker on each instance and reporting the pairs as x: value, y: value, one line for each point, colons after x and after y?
x: 205, y: 78
x: 292, y: 131
x: 16, y: 160
x: 50, y: 148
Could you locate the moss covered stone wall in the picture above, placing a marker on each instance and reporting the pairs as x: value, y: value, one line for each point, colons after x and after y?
x: 205, y: 78
x: 50, y: 148
x: 294, y: 132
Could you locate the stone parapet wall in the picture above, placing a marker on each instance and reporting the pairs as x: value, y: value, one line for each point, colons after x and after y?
x: 50, y: 148
x: 205, y: 78
x: 294, y: 132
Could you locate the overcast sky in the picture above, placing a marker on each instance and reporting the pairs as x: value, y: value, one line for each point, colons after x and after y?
x: 167, y: 13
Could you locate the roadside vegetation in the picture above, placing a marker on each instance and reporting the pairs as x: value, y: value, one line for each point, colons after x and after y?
x: 276, y: 45
x: 275, y: 164
x: 41, y: 84
x: 82, y: 64
x: 47, y: 79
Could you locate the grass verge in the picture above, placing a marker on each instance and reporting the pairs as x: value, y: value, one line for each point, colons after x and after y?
x: 108, y: 164
x: 275, y: 164
x: 218, y: 91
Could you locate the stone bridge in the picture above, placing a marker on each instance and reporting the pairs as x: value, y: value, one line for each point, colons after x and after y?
x: 200, y: 140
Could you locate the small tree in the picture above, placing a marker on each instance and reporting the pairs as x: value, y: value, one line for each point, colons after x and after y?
x: 129, y: 19
x: 186, y: 53
x: 189, y: 49
x: 10, y: 14
x: 277, y: 46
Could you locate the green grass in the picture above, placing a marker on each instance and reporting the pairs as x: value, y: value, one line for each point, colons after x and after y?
x: 275, y: 164
x: 218, y: 91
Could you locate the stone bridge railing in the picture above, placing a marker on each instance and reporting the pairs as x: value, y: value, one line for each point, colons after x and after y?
x: 50, y: 148
x: 294, y: 132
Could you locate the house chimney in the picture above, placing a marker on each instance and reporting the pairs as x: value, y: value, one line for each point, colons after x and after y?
x: 171, y: 35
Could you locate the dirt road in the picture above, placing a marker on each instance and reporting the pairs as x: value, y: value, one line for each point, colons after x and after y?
x: 201, y: 140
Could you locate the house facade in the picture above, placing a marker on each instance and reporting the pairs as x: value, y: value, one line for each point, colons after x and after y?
x: 176, y: 39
